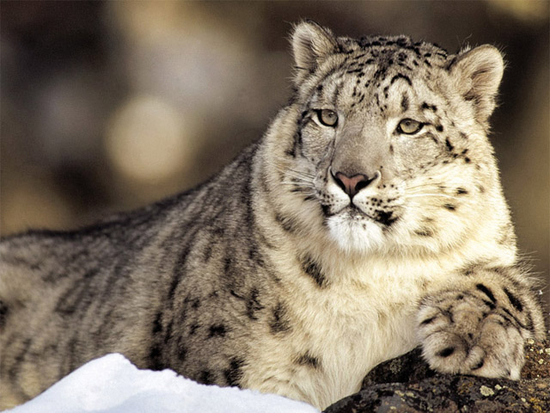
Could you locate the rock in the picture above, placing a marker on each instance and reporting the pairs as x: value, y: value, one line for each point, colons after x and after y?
x: 406, y: 384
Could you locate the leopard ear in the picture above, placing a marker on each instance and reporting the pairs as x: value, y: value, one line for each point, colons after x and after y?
x: 311, y: 44
x: 477, y: 74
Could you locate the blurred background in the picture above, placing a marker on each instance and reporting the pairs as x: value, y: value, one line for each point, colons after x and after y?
x: 108, y: 106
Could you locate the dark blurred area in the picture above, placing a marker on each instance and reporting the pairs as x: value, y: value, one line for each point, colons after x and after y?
x: 107, y: 106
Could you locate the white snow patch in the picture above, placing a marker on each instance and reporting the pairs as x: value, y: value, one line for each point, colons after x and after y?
x: 112, y: 384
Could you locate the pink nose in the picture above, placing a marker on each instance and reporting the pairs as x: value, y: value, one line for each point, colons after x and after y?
x: 351, y: 185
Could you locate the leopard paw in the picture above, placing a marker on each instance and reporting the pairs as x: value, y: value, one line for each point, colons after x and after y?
x: 465, y: 334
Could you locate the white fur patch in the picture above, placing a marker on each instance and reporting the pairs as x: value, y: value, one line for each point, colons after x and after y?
x: 354, y: 233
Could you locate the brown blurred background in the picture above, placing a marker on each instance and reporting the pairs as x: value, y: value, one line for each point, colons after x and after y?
x: 107, y: 106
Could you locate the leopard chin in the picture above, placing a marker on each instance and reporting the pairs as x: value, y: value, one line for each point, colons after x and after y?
x: 355, y: 232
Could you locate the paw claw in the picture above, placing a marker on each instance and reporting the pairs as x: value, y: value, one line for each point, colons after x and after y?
x: 446, y: 352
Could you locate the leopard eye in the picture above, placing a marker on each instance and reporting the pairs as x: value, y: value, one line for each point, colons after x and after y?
x: 409, y: 126
x: 327, y: 117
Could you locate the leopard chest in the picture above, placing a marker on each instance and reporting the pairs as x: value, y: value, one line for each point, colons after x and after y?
x: 338, y: 330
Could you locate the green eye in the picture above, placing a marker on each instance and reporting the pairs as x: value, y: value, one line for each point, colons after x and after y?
x: 409, y: 126
x: 327, y: 117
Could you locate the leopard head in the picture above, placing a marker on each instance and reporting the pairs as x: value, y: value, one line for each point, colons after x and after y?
x: 387, y: 143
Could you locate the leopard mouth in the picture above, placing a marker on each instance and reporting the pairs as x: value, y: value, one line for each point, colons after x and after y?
x: 354, y: 213
x: 386, y: 218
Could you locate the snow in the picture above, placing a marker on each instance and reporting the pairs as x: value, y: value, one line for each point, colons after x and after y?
x: 112, y: 384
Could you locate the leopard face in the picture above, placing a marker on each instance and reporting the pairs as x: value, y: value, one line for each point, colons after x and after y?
x: 391, y: 139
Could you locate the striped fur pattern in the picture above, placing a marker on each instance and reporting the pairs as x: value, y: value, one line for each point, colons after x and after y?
x: 367, y: 221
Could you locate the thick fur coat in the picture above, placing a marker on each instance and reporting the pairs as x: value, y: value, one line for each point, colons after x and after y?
x: 367, y: 221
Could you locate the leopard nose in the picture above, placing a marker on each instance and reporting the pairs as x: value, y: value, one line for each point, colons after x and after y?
x: 352, y: 184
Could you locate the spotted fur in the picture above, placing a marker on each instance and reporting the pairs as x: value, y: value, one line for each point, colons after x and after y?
x: 367, y: 221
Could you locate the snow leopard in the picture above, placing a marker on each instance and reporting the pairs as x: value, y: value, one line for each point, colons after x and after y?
x: 367, y: 221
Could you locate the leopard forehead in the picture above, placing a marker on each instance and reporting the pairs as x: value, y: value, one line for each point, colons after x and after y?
x: 378, y: 46
x: 371, y: 68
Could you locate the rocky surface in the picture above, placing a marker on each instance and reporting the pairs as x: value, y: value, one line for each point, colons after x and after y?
x: 406, y: 384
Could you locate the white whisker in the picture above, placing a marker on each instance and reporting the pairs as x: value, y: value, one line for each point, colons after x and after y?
x: 421, y: 195
x: 294, y: 172
x: 294, y: 183
x: 301, y: 178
